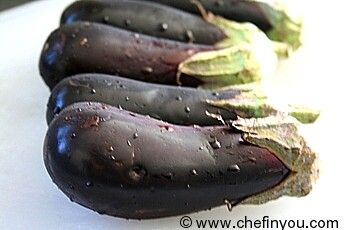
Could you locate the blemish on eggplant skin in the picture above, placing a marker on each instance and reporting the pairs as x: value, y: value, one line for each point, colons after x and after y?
x: 92, y: 121
x: 137, y: 173
x: 84, y: 42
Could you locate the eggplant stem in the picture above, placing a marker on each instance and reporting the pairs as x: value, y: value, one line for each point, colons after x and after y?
x: 178, y: 76
x: 201, y: 9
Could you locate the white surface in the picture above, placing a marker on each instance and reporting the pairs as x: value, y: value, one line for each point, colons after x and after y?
x: 28, y: 198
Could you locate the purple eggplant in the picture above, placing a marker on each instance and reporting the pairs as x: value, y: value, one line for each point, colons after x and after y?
x: 84, y: 47
x: 177, y: 105
x: 147, y: 18
x: 271, y: 17
x: 127, y: 165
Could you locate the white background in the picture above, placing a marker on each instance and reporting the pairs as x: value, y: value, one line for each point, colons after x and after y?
x: 29, y: 200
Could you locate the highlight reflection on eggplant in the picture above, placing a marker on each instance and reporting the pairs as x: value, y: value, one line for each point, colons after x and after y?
x: 177, y: 105
x: 84, y: 47
x: 127, y: 165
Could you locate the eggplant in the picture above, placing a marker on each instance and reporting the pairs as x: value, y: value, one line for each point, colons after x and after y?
x: 255, y: 12
x: 177, y: 105
x: 114, y: 51
x: 166, y: 22
x: 273, y: 17
x: 119, y: 52
x: 127, y: 165
x: 147, y: 18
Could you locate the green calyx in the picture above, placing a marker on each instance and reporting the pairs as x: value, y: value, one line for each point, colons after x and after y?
x: 235, y: 31
x: 246, y: 32
x: 286, y: 28
x: 220, y: 68
x: 280, y: 136
x: 245, y: 56
x: 303, y: 114
x: 246, y: 105
x: 254, y: 105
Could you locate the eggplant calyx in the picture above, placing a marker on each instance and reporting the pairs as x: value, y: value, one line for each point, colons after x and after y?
x: 251, y: 104
x: 303, y: 114
x: 246, y: 105
x: 280, y: 136
x: 286, y: 27
x: 239, y: 64
x: 237, y: 32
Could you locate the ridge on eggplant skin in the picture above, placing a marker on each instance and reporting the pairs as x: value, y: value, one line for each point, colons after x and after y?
x: 128, y: 165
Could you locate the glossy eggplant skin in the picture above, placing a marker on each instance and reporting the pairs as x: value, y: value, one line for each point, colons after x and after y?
x: 128, y: 165
x: 177, y: 105
x: 255, y: 12
x: 147, y: 18
x: 84, y: 47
